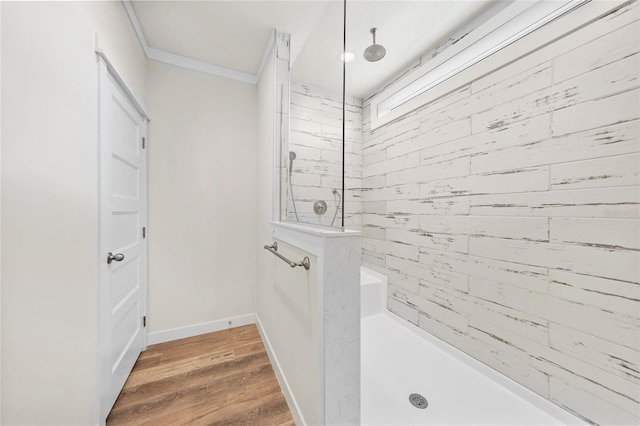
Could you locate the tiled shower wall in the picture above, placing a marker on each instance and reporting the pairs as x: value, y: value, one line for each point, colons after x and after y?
x: 506, y: 218
x: 316, y: 138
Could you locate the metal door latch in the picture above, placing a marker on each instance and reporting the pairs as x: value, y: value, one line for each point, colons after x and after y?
x: 118, y: 257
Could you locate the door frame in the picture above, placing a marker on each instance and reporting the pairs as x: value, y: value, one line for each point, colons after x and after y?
x: 107, y: 70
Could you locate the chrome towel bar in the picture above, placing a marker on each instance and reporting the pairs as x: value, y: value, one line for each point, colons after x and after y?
x: 273, y: 248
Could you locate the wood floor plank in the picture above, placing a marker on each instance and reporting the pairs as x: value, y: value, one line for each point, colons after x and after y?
x: 222, y: 378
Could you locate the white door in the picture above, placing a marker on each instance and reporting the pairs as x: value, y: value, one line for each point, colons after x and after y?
x: 123, y: 248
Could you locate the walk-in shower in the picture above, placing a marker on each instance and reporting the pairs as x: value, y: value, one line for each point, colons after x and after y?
x: 491, y: 165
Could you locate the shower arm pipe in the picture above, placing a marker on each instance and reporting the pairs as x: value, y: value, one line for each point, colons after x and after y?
x: 273, y: 248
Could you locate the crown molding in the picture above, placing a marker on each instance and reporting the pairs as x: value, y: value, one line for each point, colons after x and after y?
x: 136, y: 26
x: 265, y: 56
x: 163, y: 56
x: 200, y: 66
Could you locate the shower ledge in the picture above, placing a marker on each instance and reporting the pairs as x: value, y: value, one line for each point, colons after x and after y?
x: 308, y: 237
x: 316, y: 230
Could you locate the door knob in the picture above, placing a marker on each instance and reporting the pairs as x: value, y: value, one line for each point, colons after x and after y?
x: 118, y: 257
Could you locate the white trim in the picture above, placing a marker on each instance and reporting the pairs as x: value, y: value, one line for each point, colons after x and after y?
x: 265, y: 56
x: 535, y: 16
x: 478, y: 28
x: 200, y: 66
x: 198, y: 329
x: 139, y: 106
x: 145, y: 240
x: 284, y: 385
x: 554, y: 30
x: 194, y: 64
x: 136, y: 26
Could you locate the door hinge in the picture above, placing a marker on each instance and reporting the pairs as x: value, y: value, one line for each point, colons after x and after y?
x: 144, y: 321
x: 143, y: 141
x: 144, y: 232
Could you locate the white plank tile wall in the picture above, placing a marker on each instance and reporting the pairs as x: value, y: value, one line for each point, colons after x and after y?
x: 316, y: 138
x: 507, y: 217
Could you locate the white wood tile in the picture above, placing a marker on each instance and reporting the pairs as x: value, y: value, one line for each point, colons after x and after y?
x: 594, y: 285
x: 617, y: 359
x: 433, y: 205
x: 426, y: 173
x: 432, y: 308
x: 528, y: 228
x: 373, y: 232
x: 609, y: 48
x: 369, y: 158
x: 416, y: 237
x: 520, y: 180
x: 602, y: 82
x: 528, y: 326
x: 398, y: 192
x: 392, y: 221
x: 602, y: 172
x: 516, y: 365
x: 568, y: 287
x: 589, y: 401
x: 523, y: 276
x: 547, y: 360
x: 598, y: 322
x: 486, y: 143
x: 402, y: 273
x: 601, y: 202
x: 608, y: 233
x: 597, y: 113
x: 443, y: 279
x: 619, y: 264
x: 608, y: 141
x: 374, y: 207
x: 402, y: 310
x: 402, y: 162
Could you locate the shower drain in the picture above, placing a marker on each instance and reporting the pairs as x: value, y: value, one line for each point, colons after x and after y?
x: 418, y: 401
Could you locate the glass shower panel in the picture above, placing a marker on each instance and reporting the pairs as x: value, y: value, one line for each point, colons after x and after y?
x: 281, y: 126
x: 312, y: 156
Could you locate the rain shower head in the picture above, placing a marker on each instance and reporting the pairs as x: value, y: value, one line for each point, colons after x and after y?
x: 375, y: 52
x: 292, y: 156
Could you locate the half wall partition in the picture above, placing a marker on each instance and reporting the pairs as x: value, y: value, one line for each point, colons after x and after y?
x: 309, y: 318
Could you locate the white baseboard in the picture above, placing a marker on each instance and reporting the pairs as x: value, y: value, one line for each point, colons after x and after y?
x: 284, y: 385
x: 197, y: 329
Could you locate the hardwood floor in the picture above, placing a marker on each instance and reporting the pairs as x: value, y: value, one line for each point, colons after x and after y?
x: 222, y: 378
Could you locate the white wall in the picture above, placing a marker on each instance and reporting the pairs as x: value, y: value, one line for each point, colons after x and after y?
x: 49, y: 203
x: 275, y: 310
x: 505, y: 215
x: 265, y: 175
x: 202, y: 197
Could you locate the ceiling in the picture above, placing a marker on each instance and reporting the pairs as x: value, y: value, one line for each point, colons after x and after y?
x: 235, y: 34
x: 230, y: 34
x: 406, y: 29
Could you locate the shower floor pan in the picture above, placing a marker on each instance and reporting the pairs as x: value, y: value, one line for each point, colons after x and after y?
x: 400, y: 360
